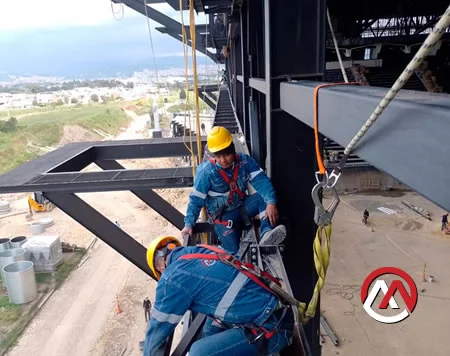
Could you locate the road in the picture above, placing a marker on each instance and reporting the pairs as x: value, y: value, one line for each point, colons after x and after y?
x: 73, y: 319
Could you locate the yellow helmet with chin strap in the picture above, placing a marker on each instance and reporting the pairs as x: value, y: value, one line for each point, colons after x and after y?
x: 160, y: 247
x: 219, y: 138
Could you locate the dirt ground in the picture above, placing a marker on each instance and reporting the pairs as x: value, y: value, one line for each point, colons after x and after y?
x: 80, y: 318
x: 77, y: 318
x: 404, y: 240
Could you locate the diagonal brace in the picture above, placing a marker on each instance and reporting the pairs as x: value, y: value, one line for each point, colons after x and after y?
x: 150, y: 197
x: 101, y: 227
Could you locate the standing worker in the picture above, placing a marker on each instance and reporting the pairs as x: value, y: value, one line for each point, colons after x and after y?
x: 248, y: 319
x: 365, y: 216
x: 444, y: 221
x: 221, y: 184
x: 147, y: 305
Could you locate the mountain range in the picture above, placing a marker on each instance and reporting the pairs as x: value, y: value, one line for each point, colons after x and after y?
x: 119, y: 47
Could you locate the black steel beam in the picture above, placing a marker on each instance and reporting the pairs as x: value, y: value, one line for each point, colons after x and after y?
x: 158, y: 147
x: 409, y: 141
x: 77, y: 182
x: 207, y: 100
x: 151, y: 198
x: 178, y: 36
x: 101, y: 227
x: 76, y: 163
x: 258, y: 84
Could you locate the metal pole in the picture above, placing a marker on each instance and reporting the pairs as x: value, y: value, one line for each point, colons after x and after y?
x: 268, y: 88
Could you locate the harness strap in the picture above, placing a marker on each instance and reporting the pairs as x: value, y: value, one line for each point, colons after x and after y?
x: 234, y: 188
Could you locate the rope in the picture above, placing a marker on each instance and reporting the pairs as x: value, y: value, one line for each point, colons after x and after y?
x: 316, y: 122
x: 194, y: 70
x: 190, y: 148
x: 321, y: 262
x: 421, y: 54
x: 151, y: 44
x: 344, y: 74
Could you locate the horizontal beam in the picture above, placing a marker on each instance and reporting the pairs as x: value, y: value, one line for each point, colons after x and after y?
x: 409, y: 141
x: 258, y: 84
x: 158, y: 147
x: 107, y: 181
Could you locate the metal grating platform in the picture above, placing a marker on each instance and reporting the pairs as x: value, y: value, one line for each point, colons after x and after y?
x: 60, y: 170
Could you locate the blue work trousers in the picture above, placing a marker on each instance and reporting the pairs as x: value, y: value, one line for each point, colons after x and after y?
x: 217, y: 341
x: 230, y: 237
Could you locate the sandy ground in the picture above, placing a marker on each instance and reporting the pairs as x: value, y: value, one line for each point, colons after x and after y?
x: 404, y: 240
x: 83, y: 309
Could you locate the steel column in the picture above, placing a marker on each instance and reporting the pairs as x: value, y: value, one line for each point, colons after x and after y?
x: 151, y: 198
x: 301, y: 24
x: 268, y: 83
x: 101, y: 227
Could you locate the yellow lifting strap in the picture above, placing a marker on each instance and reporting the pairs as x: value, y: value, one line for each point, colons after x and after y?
x: 321, y: 261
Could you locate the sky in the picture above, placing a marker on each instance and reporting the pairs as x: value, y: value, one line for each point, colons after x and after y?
x: 51, y: 37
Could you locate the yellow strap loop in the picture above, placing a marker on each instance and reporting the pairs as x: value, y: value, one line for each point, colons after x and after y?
x: 321, y: 248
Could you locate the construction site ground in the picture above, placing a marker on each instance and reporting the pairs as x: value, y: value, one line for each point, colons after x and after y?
x: 81, y: 317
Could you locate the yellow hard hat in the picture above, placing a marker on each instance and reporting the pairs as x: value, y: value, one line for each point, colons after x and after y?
x: 167, y: 242
x: 219, y: 138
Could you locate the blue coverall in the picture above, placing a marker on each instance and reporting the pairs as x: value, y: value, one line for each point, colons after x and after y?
x: 220, y: 291
x: 212, y: 191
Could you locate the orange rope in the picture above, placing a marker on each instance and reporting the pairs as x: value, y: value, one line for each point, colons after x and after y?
x: 316, y: 121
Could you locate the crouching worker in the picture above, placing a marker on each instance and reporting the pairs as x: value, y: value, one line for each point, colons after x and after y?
x: 221, y: 183
x: 243, y: 317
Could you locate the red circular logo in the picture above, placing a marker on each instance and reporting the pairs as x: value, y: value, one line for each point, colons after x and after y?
x: 368, y: 296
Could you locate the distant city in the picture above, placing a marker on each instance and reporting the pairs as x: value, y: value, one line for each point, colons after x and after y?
x: 23, y: 92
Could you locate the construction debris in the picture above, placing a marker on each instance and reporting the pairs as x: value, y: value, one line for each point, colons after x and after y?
x: 423, y: 212
x: 329, y: 331
x: 66, y: 247
x: 387, y: 210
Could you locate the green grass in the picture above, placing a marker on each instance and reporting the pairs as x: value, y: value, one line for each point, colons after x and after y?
x: 46, y: 129
x: 68, y: 266
x: 9, y: 312
x: 43, y: 278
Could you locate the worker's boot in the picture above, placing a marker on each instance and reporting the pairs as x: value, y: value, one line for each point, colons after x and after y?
x: 274, y: 237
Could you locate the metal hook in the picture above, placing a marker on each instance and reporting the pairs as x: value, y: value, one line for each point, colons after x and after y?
x: 324, y: 216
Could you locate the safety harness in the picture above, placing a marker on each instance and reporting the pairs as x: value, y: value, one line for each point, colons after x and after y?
x: 260, y: 277
x: 234, y: 189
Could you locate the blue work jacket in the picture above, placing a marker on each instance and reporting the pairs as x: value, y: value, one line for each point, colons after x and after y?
x: 212, y: 191
x: 205, y: 286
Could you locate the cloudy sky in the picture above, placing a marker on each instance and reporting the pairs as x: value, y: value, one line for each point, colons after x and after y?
x: 50, y: 37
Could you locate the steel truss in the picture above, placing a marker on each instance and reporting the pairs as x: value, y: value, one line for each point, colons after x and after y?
x: 58, y: 175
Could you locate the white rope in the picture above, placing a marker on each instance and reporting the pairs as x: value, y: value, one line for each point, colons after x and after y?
x: 151, y: 44
x: 421, y: 54
x: 344, y: 74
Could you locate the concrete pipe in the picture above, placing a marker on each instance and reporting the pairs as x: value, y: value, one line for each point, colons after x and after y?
x: 17, y: 241
x: 20, y: 282
x: 4, y: 244
x: 10, y: 256
x: 37, y: 228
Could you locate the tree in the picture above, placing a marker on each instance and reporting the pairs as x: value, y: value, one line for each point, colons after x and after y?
x: 94, y: 98
x: 66, y: 100
x: 35, y: 102
x: 182, y: 94
x: 74, y: 100
x: 59, y: 102
x: 130, y: 85
x: 8, y: 126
